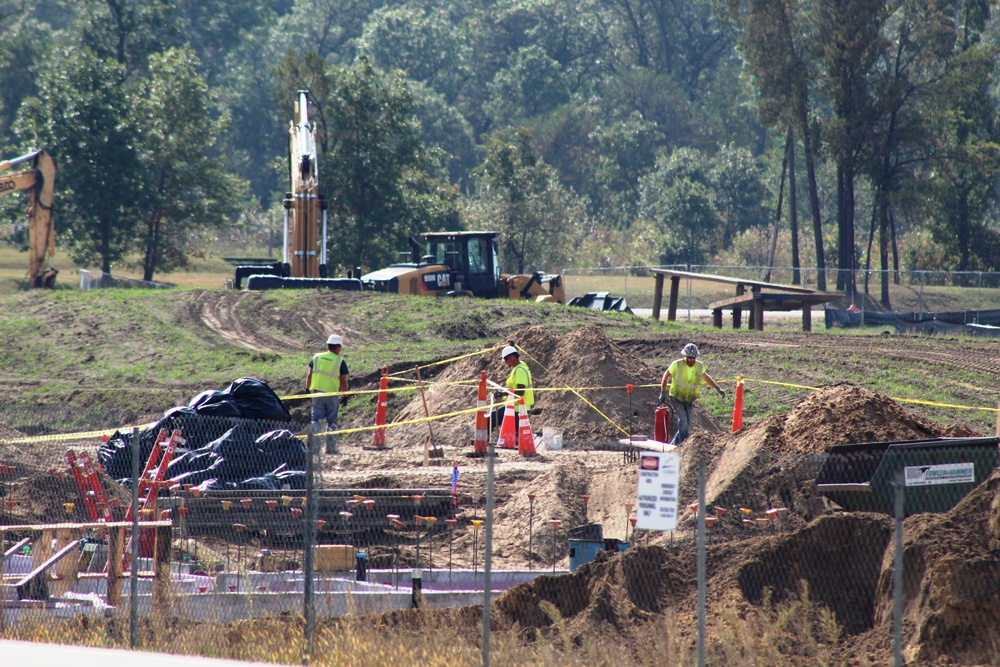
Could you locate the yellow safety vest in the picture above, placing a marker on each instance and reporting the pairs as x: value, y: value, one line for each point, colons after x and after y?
x: 326, y: 372
x: 520, y: 374
x: 685, y: 380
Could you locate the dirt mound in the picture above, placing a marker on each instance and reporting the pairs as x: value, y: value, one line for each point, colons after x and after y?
x: 42, y: 498
x: 774, y: 462
x: 585, y: 359
x: 847, y: 414
x: 951, y: 581
x: 610, y: 592
x: 824, y: 554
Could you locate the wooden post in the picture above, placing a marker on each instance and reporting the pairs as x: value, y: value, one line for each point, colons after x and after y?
x: 807, y: 317
x: 41, y: 550
x: 758, y: 310
x: 741, y: 289
x: 657, y: 295
x: 116, y: 538
x: 717, y: 318
x: 161, y: 571
x: 675, y: 288
x: 65, y: 570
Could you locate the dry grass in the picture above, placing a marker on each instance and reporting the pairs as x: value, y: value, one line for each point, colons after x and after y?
x: 798, y: 632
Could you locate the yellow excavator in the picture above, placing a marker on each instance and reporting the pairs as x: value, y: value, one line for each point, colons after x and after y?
x: 40, y: 182
x: 461, y: 264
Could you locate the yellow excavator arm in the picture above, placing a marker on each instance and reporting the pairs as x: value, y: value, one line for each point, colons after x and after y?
x: 40, y: 182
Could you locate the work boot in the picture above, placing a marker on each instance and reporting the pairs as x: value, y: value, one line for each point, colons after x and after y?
x: 331, y: 445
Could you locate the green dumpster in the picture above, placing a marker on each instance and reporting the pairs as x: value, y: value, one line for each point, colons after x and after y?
x: 936, y: 473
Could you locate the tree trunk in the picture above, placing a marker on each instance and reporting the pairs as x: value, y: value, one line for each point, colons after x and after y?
x: 807, y: 146
x: 793, y: 210
x: 777, y: 210
x: 152, y: 246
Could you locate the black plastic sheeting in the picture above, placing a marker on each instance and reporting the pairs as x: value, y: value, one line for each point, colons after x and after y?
x: 601, y: 301
x: 235, y: 439
x: 978, y: 323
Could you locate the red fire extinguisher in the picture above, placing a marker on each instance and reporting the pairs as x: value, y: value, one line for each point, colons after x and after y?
x: 661, y: 426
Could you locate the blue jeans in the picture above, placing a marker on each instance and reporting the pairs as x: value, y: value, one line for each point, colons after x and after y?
x: 683, y: 412
x: 326, y: 407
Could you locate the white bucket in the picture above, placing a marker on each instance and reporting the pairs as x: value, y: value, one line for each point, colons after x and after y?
x: 552, y: 437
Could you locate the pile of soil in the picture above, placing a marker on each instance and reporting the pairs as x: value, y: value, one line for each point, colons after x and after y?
x: 607, y: 594
x: 951, y: 582
x: 773, y: 464
x: 585, y: 359
x: 42, y: 497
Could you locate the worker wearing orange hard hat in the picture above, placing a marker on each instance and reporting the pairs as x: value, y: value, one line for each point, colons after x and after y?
x: 684, y: 377
x: 328, y: 375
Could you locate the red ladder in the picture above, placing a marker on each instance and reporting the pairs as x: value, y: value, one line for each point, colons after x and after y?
x: 82, y: 483
x: 90, y: 475
x: 149, y: 486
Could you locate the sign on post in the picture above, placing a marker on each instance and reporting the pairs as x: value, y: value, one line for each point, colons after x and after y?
x: 659, y: 478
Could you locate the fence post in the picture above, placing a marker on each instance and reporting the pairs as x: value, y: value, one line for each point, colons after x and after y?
x: 897, y: 597
x: 134, y: 574
x: 700, y: 539
x: 309, y: 543
x: 488, y: 556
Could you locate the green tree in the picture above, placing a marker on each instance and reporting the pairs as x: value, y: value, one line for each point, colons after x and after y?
x: 186, y: 191
x: 520, y: 195
x: 82, y: 116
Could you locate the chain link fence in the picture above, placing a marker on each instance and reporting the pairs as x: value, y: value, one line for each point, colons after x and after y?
x: 951, y: 297
x: 776, y: 558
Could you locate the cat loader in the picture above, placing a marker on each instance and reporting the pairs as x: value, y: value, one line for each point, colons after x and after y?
x: 461, y: 264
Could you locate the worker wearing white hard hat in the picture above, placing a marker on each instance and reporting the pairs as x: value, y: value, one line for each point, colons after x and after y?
x: 518, y: 382
x: 684, y: 377
x: 328, y: 378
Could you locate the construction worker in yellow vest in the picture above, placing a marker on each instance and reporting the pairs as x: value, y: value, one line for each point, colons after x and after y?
x: 327, y: 374
x: 685, y: 377
x: 518, y: 382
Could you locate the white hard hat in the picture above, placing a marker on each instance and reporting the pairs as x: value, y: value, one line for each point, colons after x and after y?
x: 509, y: 350
x: 690, y: 350
x: 334, y: 339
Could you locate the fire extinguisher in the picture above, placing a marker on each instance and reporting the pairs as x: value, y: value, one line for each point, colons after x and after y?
x: 661, y: 425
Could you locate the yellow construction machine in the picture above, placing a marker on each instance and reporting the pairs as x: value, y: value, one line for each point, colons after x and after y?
x: 40, y: 182
x: 461, y: 264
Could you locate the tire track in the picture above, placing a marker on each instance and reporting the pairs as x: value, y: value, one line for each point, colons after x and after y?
x: 239, y: 318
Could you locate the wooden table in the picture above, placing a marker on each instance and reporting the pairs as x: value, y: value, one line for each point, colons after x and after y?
x: 776, y: 297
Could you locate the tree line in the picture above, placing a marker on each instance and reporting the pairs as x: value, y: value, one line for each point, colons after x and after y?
x: 589, y: 132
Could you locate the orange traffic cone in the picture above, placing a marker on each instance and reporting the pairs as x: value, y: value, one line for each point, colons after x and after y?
x: 508, y: 431
x: 738, y: 406
x: 480, y: 444
x: 378, y: 435
x: 526, y: 439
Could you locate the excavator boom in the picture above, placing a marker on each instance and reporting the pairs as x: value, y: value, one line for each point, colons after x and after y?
x: 39, y: 181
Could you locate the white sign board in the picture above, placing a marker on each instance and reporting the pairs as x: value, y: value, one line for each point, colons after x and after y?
x: 659, y: 478
x: 945, y: 473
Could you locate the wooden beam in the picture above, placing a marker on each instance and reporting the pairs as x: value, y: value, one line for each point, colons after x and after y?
x: 36, y: 527
x: 161, y: 570
x: 675, y: 288
x: 711, y: 277
x: 738, y: 312
x: 758, y: 309
x: 657, y: 295
x: 116, y: 539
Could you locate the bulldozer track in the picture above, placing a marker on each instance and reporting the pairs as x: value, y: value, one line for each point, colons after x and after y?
x: 240, y: 318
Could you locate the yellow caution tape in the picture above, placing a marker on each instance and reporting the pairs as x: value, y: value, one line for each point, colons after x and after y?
x: 64, y: 437
x: 407, y: 422
x: 916, y: 401
x: 452, y: 359
x: 579, y: 395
